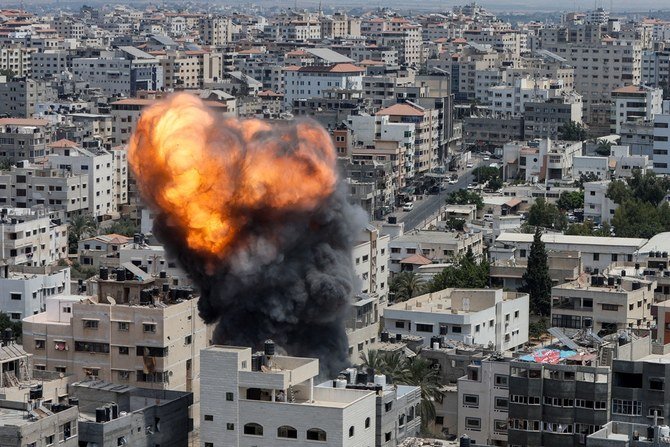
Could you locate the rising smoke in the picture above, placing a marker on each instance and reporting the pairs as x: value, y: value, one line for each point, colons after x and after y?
x: 256, y: 216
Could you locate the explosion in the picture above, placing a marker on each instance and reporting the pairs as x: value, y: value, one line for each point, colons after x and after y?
x: 255, y: 215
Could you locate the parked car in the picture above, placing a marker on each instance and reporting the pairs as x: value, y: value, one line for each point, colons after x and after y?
x: 409, y: 206
x: 469, y: 165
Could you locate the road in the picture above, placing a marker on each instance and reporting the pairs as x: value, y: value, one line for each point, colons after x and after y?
x: 430, y: 204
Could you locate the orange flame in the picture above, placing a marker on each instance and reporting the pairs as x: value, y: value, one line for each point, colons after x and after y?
x: 208, y: 174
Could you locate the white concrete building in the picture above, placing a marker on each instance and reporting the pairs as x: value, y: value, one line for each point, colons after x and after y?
x: 539, y: 160
x: 597, y: 206
x: 597, y: 252
x: 510, y: 100
x: 483, y: 401
x: 371, y: 259
x: 31, y: 237
x: 23, y: 289
x: 312, y: 81
x: 661, y: 151
x: 471, y: 316
x: 590, y: 165
x: 100, y: 166
x: 633, y: 103
x: 248, y: 400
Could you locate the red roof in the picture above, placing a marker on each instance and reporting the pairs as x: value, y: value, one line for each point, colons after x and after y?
x: 416, y: 259
x: 63, y: 143
x: 23, y: 122
x: 402, y: 109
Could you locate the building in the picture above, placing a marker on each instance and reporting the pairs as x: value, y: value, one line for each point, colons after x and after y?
x: 563, y: 267
x: 605, y: 305
x: 539, y: 160
x: 216, y: 31
x: 32, y: 237
x: 45, y: 425
x: 371, y: 262
x: 634, y: 103
x: 596, y: 252
x: 470, y: 316
x: 116, y: 414
x: 435, y: 246
x: 483, y: 401
x: 544, y: 119
x: 312, y: 81
x: 130, y: 333
x: 661, y: 145
x: 556, y: 404
x: 248, y: 398
x: 102, y: 250
x: 24, y: 289
x: 19, y: 97
x: 24, y: 138
x: 623, y: 434
x: 597, y: 206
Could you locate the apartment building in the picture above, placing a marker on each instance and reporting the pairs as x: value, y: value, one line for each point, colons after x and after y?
x: 661, y: 145
x: 26, y: 185
x: 312, y: 81
x: 492, y: 132
x: 656, y: 67
x: 601, y: 68
x: 563, y: 267
x: 24, y: 289
x: 19, y: 97
x: 434, y: 246
x: 371, y: 259
x: 216, y: 31
x: 17, y: 59
x: 543, y: 119
x: 32, y: 236
x: 100, y: 165
x: 102, y: 250
x: 539, y: 160
x: 44, y: 426
x: 24, y: 138
x: 48, y: 64
x: 426, y: 132
x: 597, y: 252
x: 634, y: 103
x: 597, y: 206
x: 483, y: 401
x: 472, y: 316
x: 556, y: 404
x: 606, y: 305
x: 246, y: 399
x: 131, y: 332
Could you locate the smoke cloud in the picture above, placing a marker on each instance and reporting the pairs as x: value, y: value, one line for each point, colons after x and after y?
x: 257, y: 217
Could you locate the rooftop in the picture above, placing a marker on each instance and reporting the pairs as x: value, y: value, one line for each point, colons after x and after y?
x: 456, y: 301
x: 553, y: 238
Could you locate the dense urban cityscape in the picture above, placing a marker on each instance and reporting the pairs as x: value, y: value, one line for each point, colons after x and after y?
x: 313, y: 223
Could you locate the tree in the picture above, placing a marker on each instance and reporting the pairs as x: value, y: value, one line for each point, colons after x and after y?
x: 618, y: 191
x: 394, y: 364
x: 465, y: 274
x: 7, y: 72
x: 420, y: 372
x: 536, y: 279
x: 635, y: 218
x: 6, y: 322
x: 80, y: 227
x: 586, y: 178
x: 587, y: 228
x: 570, y: 200
x: 406, y: 285
x: 453, y: 223
x: 538, y: 328
x: 547, y: 215
x: 125, y: 227
x: 372, y: 360
x: 485, y: 173
x: 604, y: 148
x: 572, y: 131
x: 465, y: 197
x: 495, y: 183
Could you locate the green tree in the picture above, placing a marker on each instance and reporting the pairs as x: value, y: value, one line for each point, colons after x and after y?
x: 570, y: 200
x: 467, y: 273
x: 572, y: 131
x: 536, y: 279
x: 5, y: 164
x: 420, y: 372
x: 406, y: 285
x: 635, y: 218
x: 547, y: 215
x: 538, y: 328
x: 7, y: 72
x: 453, y: 223
x: 125, y: 227
x: 495, y: 183
x: 465, y: 197
x: 485, y: 173
x: 7, y: 322
x: 604, y: 148
x: 587, y: 228
x: 585, y: 178
x: 618, y: 191
x: 80, y: 227
x: 394, y: 364
x: 372, y: 360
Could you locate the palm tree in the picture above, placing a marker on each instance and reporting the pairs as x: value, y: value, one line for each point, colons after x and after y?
x: 406, y: 285
x: 372, y: 360
x: 420, y: 372
x: 394, y: 365
x: 79, y: 227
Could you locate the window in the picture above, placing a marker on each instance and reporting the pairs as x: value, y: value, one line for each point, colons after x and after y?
x: 123, y: 326
x: 286, y: 431
x: 123, y: 350
x: 400, y: 324
x: 522, y: 253
x: 351, y: 431
x: 316, y: 434
x: 456, y: 329
x: 501, y: 380
x: 188, y: 339
x: 209, y: 444
x: 209, y: 417
x: 499, y: 426
x: 501, y: 403
x: 40, y: 344
x: 230, y: 426
x: 627, y: 407
x: 91, y: 324
x: 49, y: 440
x: 613, y: 307
x: 473, y: 423
x: 424, y: 327
x: 229, y: 397
x: 596, y: 256
x: 149, y: 327
x: 253, y: 428
x: 387, y: 436
x: 82, y: 346
x: 15, y: 296
x: 656, y: 384
x: 367, y: 422
x: 516, y: 314
x: 471, y: 400
x: 388, y: 406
